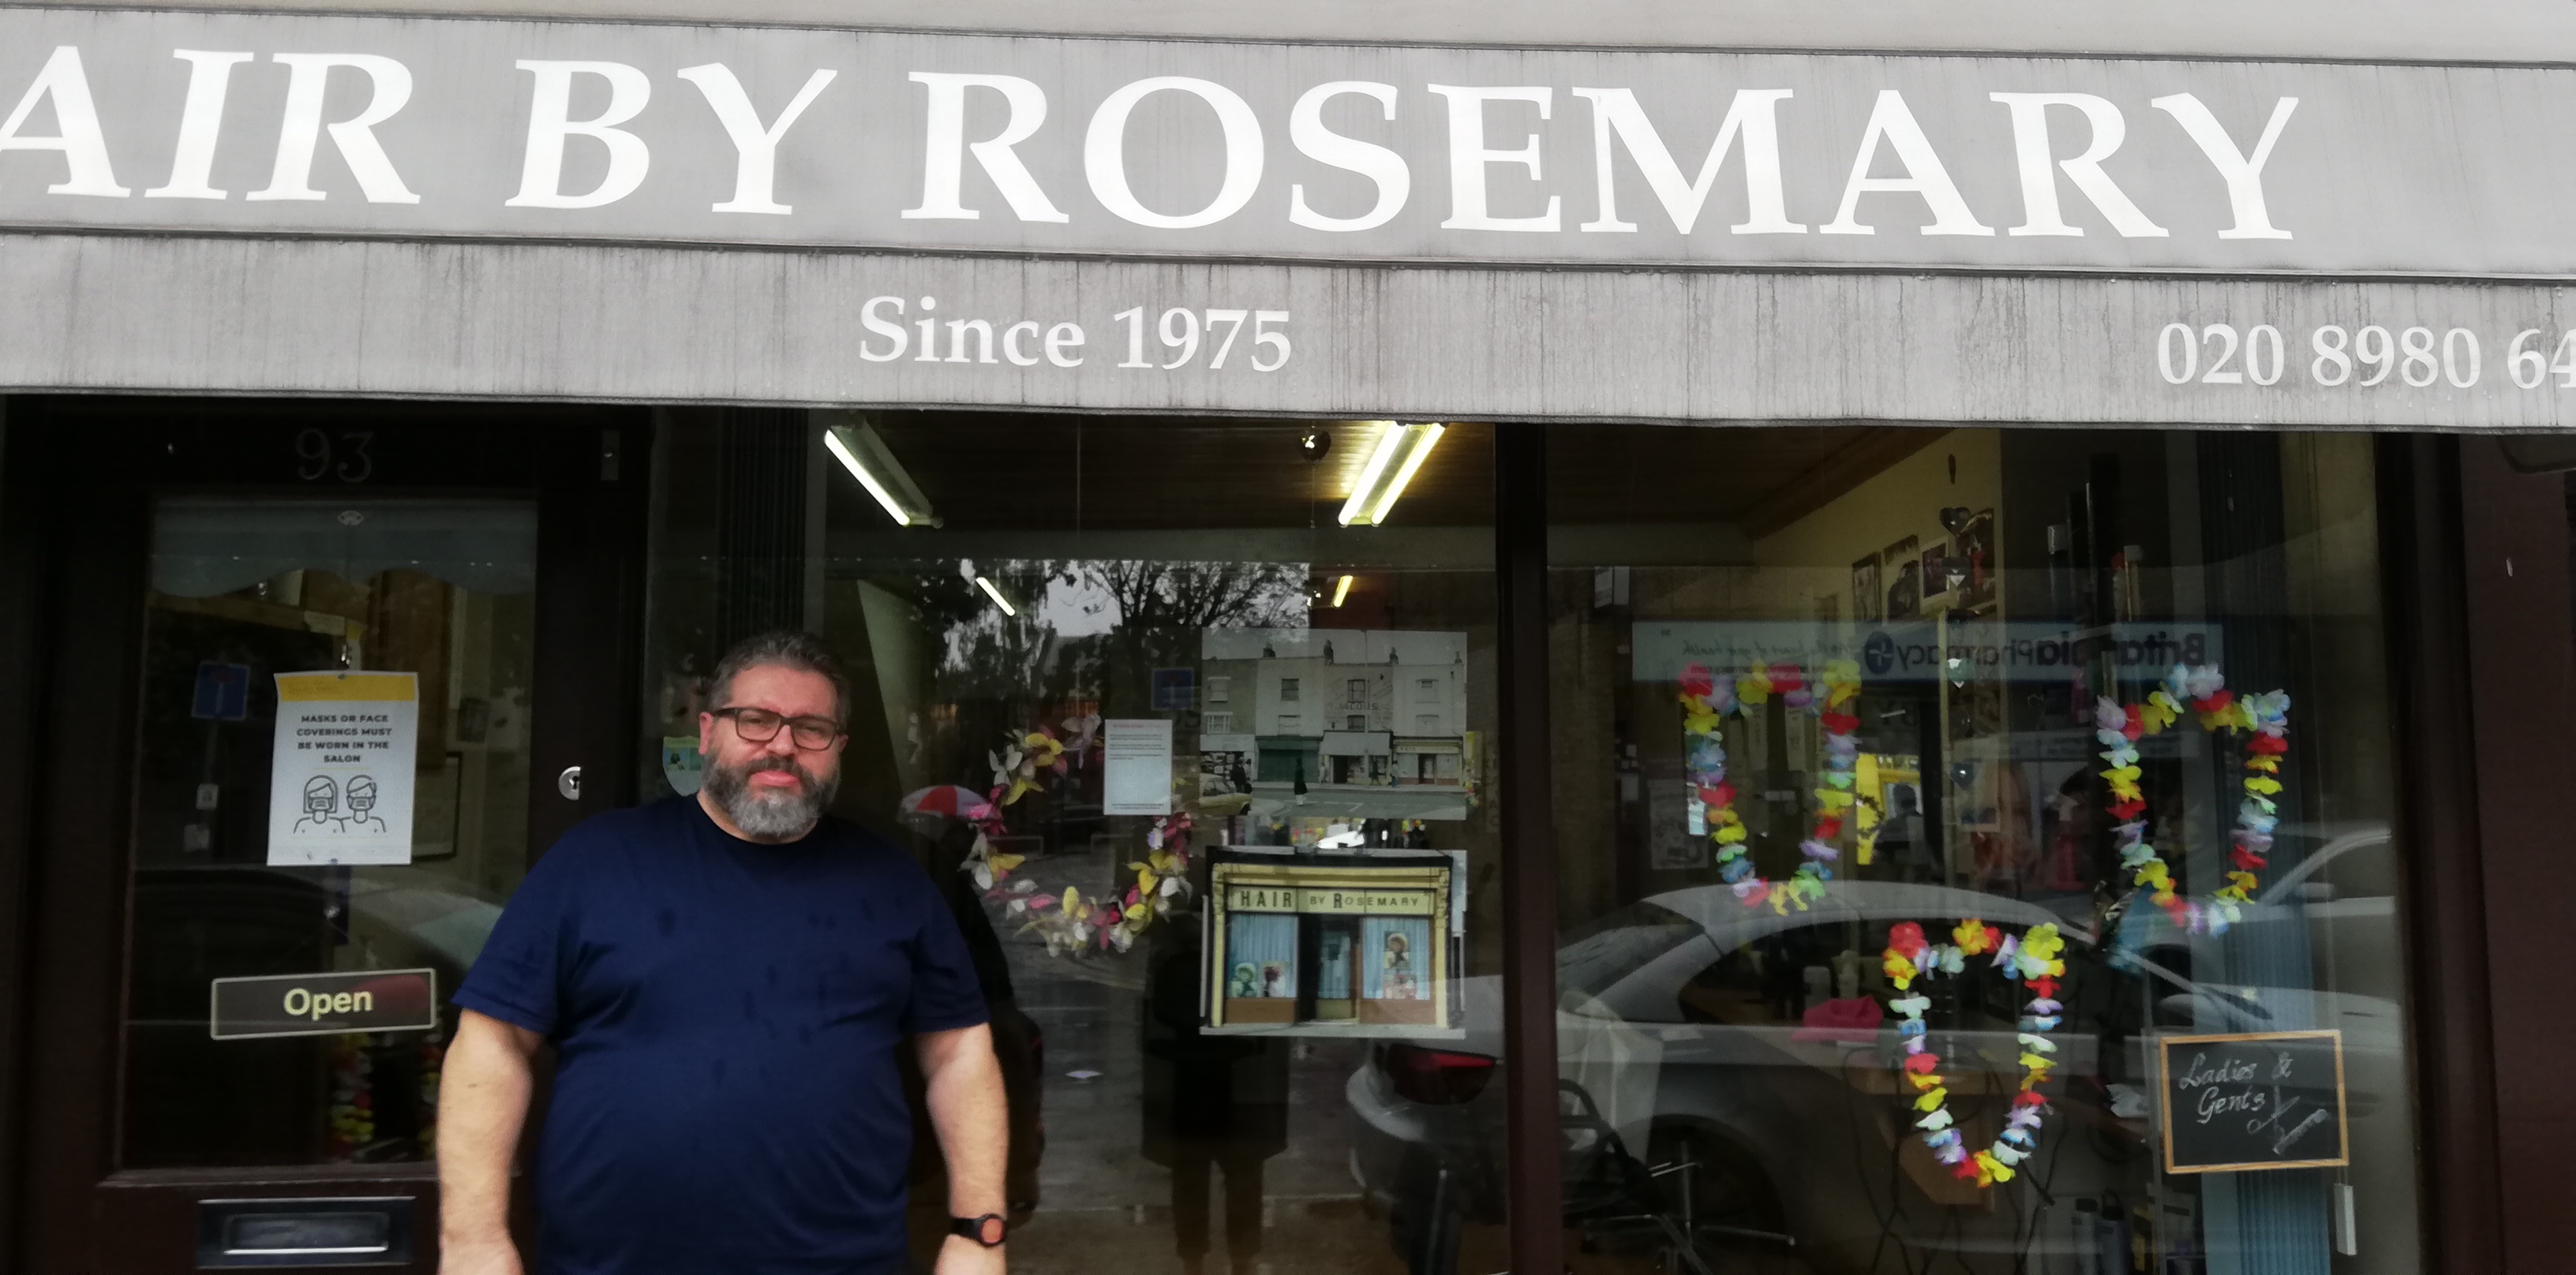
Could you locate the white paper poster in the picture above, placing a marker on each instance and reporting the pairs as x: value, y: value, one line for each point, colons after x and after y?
x: 341, y: 776
x: 1136, y: 778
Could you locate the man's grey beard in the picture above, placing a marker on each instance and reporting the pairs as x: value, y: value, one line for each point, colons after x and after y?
x: 772, y: 815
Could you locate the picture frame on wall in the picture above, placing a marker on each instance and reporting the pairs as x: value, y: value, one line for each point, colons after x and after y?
x: 1977, y: 545
x: 1905, y: 589
x: 1867, y: 600
x: 1935, y: 559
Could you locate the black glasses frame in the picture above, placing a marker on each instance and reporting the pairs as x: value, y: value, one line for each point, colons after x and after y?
x: 804, y: 730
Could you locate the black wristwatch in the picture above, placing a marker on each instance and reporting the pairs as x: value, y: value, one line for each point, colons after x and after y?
x: 986, y: 1230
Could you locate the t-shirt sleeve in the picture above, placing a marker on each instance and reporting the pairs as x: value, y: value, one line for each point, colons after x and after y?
x: 946, y: 994
x: 519, y: 976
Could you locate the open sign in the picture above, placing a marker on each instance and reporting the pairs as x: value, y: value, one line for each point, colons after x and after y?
x: 320, y: 1004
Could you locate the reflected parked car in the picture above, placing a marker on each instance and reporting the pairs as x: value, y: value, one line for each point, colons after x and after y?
x: 2326, y: 919
x: 1683, y: 1019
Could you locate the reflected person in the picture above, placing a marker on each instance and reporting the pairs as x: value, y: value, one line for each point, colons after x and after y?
x: 1213, y: 1104
x: 725, y: 980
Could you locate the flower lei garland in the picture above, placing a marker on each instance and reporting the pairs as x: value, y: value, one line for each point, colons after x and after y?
x: 2032, y: 960
x: 1070, y: 922
x: 2264, y: 720
x: 1706, y: 702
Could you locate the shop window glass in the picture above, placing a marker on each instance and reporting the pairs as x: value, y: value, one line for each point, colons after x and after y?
x: 241, y: 591
x: 1822, y: 696
x: 1225, y: 1078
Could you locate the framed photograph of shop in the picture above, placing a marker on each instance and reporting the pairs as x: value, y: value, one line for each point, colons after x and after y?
x: 1331, y: 944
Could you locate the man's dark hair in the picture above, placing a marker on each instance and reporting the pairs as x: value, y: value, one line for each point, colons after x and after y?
x: 782, y: 648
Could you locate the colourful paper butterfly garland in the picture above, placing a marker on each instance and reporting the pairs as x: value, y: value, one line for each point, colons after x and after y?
x: 1068, y: 922
x: 1707, y: 700
x: 2033, y: 960
x: 2265, y: 721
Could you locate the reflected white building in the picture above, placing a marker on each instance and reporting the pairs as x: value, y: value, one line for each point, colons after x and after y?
x: 1361, y: 723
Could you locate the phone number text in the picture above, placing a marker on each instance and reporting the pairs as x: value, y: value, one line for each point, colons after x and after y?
x: 2364, y: 357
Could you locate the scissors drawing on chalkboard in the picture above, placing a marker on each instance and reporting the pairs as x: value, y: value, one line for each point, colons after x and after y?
x: 2281, y: 1109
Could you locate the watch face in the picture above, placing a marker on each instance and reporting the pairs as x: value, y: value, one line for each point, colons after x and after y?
x: 988, y: 1230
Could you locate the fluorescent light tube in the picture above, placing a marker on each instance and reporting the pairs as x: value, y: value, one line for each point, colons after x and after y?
x: 1421, y: 437
x: 841, y: 452
x: 1389, y: 440
x: 1399, y: 454
x: 865, y: 455
x: 1341, y: 591
x: 995, y: 595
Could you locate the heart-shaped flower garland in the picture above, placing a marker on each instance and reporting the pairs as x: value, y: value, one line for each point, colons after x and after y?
x: 1707, y: 700
x: 2033, y: 960
x: 2264, y: 720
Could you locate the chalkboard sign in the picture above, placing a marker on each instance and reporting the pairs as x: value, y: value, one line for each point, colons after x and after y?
x: 2272, y: 1100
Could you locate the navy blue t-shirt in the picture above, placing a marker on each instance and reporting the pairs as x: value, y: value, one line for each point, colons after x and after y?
x: 725, y: 1016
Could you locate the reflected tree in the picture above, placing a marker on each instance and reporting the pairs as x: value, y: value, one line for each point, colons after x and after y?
x: 1162, y: 607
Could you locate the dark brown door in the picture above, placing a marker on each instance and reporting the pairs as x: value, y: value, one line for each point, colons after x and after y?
x: 185, y: 826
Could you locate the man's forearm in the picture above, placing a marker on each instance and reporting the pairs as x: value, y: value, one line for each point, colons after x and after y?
x: 972, y: 1115
x: 482, y: 1105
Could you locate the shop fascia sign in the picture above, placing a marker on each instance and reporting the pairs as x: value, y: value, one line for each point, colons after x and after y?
x: 194, y: 123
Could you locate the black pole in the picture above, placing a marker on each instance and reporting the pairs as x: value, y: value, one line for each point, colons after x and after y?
x: 1529, y: 853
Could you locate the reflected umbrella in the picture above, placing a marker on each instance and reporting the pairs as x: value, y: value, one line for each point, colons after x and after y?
x: 948, y: 801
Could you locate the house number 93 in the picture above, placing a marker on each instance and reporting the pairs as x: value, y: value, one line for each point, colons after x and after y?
x: 320, y: 455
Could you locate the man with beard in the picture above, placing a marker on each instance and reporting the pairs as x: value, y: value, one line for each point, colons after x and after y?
x: 725, y: 980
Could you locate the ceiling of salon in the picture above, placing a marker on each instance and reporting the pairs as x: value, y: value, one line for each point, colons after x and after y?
x: 1006, y: 471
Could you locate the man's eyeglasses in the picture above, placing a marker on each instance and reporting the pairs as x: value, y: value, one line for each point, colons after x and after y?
x: 759, y: 726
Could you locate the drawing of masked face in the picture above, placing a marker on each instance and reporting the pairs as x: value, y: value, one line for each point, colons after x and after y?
x: 362, y: 795
x: 320, y: 795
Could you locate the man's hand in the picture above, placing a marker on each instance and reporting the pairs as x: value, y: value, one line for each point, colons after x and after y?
x: 480, y: 1257
x: 973, y: 1116
x: 962, y: 1256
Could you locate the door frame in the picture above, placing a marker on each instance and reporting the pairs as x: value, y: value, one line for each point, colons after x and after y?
x: 2480, y: 591
x: 75, y: 497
